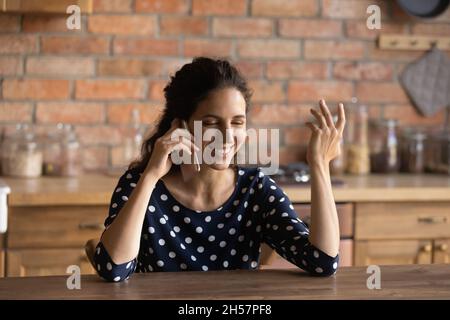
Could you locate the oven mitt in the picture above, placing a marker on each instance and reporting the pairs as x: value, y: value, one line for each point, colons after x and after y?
x: 427, y: 82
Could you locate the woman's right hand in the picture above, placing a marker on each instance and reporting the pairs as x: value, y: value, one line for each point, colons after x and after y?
x: 160, y: 162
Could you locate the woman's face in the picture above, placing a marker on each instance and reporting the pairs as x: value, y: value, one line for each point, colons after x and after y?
x: 224, y: 112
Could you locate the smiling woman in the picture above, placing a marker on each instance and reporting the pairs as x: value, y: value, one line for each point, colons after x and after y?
x: 216, y: 219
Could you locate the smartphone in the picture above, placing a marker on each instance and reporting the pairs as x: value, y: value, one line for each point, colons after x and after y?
x: 196, y: 161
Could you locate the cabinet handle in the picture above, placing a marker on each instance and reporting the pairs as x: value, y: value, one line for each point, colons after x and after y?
x: 443, y: 247
x: 426, y: 248
x: 90, y: 226
x: 432, y: 220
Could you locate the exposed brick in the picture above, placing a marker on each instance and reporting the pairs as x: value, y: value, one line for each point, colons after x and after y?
x: 10, y: 66
x: 324, y: 50
x: 109, y: 89
x: 122, y: 24
x: 15, y: 112
x: 225, y: 7
x: 290, y: 154
x: 45, y: 23
x: 9, y: 23
x: 269, y: 49
x: 156, y: 90
x: 207, y: 47
x: 315, y: 90
x: 43, y: 89
x: 103, y: 6
x: 95, y: 135
x: 310, y: 28
x: 183, y: 25
x: 363, y: 71
x: 95, y: 158
x: 278, y: 114
x: 156, y: 47
x: 267, y: 92
x: 298, y: 135
x: 119, y: 113
x: 250, y: 69
x: 407, y: 115
x: 358, y: 29
x: 380, y: 92
x: 172, y: 66
x: 350, y: 8
x: 75, y: 44
x: 242, y: 27
x: 162, y: 6
x: 17, y: 44
x: 296, y: 70
x: 433, y: 29
x: 130, y: 67
x: 60, y: 66
x: 69, y: 112
x: 288, y: 8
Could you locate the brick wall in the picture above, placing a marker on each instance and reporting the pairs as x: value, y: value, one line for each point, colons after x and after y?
x: 292, y: 51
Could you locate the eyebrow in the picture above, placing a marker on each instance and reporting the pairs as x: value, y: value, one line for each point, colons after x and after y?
x: 217, y: 117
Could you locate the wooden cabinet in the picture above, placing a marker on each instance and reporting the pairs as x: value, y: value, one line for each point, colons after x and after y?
x: 2, y: 263
x: 44, y: 6
x: 45, y: 262
x: 402, y: 233
x: 45, y: 240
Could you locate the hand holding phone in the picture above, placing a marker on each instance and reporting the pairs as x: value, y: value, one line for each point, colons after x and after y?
x: 196, y: 161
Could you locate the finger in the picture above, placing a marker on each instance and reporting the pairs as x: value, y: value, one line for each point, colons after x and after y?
x: 178, y: 146
x: 312, y: 126
x: 341, y: 118
x: 177, y: 133
x: 320, y: 118
x: 326, y: 113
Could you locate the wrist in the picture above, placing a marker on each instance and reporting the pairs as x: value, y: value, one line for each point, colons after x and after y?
x: 319, y: 165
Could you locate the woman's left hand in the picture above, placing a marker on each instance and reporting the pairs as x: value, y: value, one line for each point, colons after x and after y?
x: 324, y: 144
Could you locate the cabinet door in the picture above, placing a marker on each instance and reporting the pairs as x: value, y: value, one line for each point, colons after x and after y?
x: 2, y: 263
x: 441, y: 251
x: 45, y: 262
x: 388, y: 252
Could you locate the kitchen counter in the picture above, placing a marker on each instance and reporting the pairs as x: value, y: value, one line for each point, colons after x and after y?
x: 397, y: 282
x: 96, y: 189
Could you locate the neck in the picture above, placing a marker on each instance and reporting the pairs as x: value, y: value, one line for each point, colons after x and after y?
x: 208, y: 180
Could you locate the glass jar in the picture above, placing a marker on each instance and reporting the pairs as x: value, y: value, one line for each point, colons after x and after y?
x: 384, y: 146
x: 70, y: 153
x: 438, y: 152
x: 356, y: 137
x: 22, y: 154
x: 413, y: 150
x: 52, y: 152
x: 133, y: 138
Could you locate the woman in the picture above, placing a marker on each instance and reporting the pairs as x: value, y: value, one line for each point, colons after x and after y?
x: 216, y: 219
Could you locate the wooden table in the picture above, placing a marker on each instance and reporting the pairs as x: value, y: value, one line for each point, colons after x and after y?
x: 397, y: 282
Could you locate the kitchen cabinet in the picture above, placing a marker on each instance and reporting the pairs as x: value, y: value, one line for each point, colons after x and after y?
x: 45, y: 262
x: 45, y: 6
x: 2, y: 256
x: 45, y: 240
x: 402, y: 233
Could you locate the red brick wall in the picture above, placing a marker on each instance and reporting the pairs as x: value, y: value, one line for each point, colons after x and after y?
x: 292, y: 51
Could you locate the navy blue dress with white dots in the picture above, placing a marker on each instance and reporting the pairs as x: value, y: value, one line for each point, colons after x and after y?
x: 176, y: 238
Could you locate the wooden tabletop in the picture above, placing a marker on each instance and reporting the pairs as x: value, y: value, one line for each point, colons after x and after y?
x: 96, y: 189
x: 397, y: 282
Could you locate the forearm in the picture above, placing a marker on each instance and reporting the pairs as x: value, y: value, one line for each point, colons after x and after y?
x: 324, y: 228
x: 122, y: 238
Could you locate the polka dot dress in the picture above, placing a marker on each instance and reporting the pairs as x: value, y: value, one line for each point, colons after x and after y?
x: 176, y: 238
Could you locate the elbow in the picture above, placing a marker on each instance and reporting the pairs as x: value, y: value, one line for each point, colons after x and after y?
x: 320, y: 269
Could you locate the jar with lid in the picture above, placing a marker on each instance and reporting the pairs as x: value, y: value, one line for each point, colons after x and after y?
x: 70, y: 153
x: 356, y: 137
x: 384, y: 149
x: 133, y: 138
x: 438, y: 152
x: 22, y: 154
x: 52, y: 151
x: 413, y: 150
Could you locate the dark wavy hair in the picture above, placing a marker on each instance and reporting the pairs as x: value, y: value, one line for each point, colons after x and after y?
x: 186, y: 89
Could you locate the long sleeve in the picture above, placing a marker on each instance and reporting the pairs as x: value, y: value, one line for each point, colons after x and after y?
x: 105, y: 267
x: 288, y: 235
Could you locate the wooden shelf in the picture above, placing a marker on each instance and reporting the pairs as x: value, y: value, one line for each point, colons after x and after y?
x: 44, y: 6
